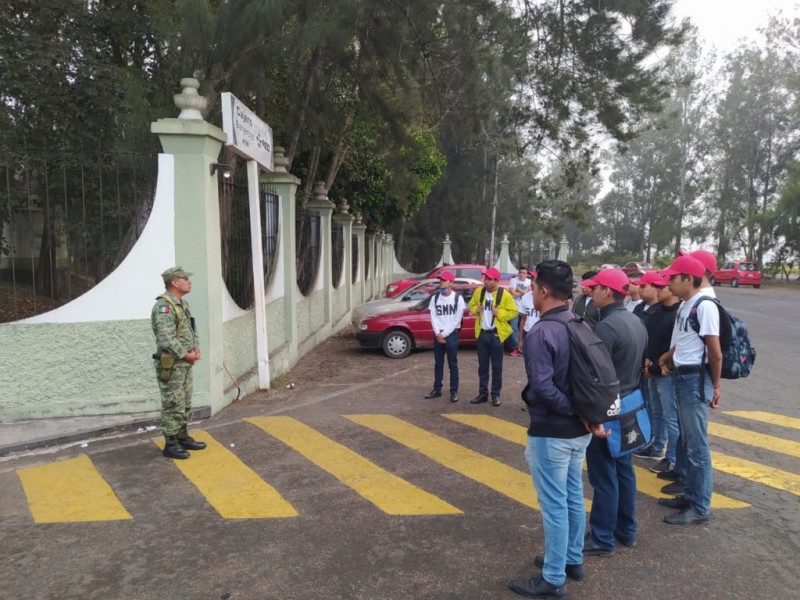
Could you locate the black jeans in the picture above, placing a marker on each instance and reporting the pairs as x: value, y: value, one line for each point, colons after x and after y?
x: 450, y: 348
x: 490, y: 348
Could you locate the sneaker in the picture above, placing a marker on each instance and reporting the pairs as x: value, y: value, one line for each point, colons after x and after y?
x: 648, y: 454
x: 537, y: 587
x: 687, y: 516
x: 662, y: 466
x: 676, y: 488
x: 515, y: 353
x: 670, y: 475
x: 574, y: 572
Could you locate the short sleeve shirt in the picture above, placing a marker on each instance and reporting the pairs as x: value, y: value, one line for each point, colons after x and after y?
x: 689, y: 346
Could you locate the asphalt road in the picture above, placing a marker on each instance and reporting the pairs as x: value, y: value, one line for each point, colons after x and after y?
x: 352, y: 486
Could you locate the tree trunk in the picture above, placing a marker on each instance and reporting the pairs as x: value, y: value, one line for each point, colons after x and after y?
x: 401, y: 234
x: 302, y: 105
x: 494, y: 212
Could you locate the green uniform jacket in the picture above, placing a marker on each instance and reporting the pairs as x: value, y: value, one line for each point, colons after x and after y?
x: 506, y: 310
x: 172, y: 326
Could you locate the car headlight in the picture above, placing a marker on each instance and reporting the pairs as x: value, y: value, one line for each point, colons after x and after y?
x: 390, y: 289
x: 363, y: 326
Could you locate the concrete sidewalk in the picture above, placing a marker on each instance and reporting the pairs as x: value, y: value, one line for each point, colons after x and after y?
x: 19, y: 436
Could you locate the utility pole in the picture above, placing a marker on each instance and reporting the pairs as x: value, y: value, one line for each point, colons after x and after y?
x: 494, y: 214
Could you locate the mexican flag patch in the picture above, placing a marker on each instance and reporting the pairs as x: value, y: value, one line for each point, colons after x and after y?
x: 164, y: 309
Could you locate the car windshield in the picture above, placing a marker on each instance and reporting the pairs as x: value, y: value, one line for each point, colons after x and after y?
x: 747, y: 266
x: 421, y: 290
x: 645, y: 266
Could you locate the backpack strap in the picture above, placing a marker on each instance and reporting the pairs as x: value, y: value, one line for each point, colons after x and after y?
x: 177, y: 310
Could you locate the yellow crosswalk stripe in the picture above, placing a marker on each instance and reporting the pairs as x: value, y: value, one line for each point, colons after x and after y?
x: 388, y: 492
x: 502, y: 478
x: 766, y: 417
x: 753, y: 438
x: 646, y: 482
x: 753, y: 471
x: 70, y: 491
x: 231, y: 487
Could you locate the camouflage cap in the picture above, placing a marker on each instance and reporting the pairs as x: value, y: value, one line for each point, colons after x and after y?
x: 174, y: 273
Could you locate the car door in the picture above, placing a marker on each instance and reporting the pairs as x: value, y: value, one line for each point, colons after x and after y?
x: 420, y: 324
x: 467, y: 333
x: 725, y: 273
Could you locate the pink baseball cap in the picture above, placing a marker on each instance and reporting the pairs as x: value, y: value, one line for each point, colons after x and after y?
x: 652, y: 278
x: 492, y: 274
x: 685, y: 265
x: 614, y: 279
x: 446, y: 276
x: 706, y: 258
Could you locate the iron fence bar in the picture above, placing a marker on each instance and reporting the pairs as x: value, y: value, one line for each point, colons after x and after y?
x: 354, y: 257
x: 66, y: 224
x: 10, y: 247
x: 49, y: 229
x: 30, y: 220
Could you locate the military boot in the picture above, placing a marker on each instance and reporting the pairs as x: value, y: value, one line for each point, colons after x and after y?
x: 172, y: 449
x: 188, y: 442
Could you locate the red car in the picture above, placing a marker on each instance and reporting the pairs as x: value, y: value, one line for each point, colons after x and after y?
x: 738, y: 272
x: 400, y: 332
x: 464, y: 271
x: 637, y: 269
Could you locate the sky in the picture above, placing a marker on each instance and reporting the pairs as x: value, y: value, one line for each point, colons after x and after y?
x: 723, y: 22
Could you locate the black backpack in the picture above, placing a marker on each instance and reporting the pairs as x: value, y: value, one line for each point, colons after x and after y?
x: 595, y: 385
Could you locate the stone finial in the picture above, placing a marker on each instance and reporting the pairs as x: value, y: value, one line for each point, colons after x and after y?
x: 343, y: 206
x: 446, y: 238
x: 505, y: 238
x: 189, y: 101
x: 358, y: 217
x: 280, y: 160
x: 320, y: 193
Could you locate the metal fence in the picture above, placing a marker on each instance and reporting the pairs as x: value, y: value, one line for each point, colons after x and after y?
x: 237, y: 260
x: 354, y: 252
x: 307, y: 232
x: 337, y: 254
x: 67, y: 219
x: 234, y: 221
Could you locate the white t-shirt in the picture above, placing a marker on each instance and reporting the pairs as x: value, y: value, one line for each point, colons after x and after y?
x: 446, y: 313
x: 517, y: 283
x: 689, y: 346
x: 526, y: 308
x: 708, y: 291
x: 633, y: 304
x: 487, y: 318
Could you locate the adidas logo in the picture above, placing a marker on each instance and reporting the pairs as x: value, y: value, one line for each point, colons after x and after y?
x: 615, y: 408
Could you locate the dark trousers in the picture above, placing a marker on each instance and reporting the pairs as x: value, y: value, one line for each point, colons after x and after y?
x: 614, y: 500
x: 490, y: 349
x: 449, y: 348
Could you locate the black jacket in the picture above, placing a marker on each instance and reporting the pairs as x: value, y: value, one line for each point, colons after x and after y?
x: 659, y: 321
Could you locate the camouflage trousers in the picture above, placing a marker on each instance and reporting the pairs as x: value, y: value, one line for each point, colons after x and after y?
x: 176, y: 399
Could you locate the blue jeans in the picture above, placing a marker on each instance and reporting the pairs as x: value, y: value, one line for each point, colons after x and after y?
x: 513, y: 339
x: 658, y: 437
x: 614, y: 501
x: 490, y: 348
x: 695, y: 455
x: 556, y: 470
x: 666, y: 429
x: 450, y: 348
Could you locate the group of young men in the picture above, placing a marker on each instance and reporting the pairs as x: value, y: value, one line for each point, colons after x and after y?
x: 501, y: 315
x: 663, y: 341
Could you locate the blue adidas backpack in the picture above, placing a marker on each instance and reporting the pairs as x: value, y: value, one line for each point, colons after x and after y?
x: 738, y: 354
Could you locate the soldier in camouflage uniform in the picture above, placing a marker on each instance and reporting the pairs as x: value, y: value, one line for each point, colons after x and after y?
x: 177, y: 350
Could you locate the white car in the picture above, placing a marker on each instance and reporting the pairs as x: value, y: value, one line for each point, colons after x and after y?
x: 421, y: 289
x: 609, y: 266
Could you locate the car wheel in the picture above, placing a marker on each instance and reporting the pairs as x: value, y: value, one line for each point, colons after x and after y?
x: 397, y: 344
x: 713, y: 281
x: 734, y: 282
x: 757, y: 287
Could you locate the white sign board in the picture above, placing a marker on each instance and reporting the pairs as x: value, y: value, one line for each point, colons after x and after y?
x: 251, y: 137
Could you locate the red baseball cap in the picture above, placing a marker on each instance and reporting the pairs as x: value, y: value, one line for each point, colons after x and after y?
x: 614, y: 279
x: 652, y: 278
x: 685, y: 265
x: 706, y: 258
x: 446, y: 276
x: 492, y: 274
